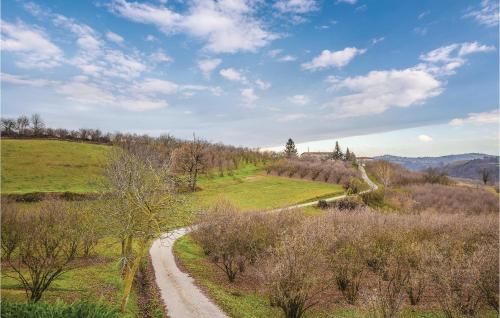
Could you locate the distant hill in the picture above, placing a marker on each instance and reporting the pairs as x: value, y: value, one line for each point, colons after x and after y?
x: 461, y: 166
x: 422, y: 163
x: 471, y: 169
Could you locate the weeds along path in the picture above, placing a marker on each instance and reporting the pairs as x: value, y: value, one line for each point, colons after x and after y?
x: 179, y: 293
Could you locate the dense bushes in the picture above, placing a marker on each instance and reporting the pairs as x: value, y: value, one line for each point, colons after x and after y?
x: 338, y: 172
x: 449, y: 199
x: 385, y: 261
x: 58, y: 310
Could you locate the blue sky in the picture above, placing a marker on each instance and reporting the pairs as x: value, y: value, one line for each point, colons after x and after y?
x: 399, y: 77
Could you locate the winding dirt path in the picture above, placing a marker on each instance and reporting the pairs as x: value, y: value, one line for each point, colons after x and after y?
x: 180, y: 294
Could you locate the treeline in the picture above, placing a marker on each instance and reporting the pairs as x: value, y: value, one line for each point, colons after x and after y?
x: 377, y: 262
x: 34, y: 127
x: 190, y: 158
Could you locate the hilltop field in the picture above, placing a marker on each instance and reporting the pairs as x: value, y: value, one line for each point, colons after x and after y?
x: 51, y: 166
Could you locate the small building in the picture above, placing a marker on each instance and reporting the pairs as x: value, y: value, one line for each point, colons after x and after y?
x: 319, y: 155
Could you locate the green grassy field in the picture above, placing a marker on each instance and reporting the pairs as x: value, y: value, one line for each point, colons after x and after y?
x: 51, y: 166
x: 250, y: 189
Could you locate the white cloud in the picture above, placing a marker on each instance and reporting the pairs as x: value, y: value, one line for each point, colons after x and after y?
x: 333, y: 59
x: 122, y: 65
x: 423, y: 14
x: 85, y: 93
x: 31, y: 44
x: 378, y: 91
x: 446, y: 59
x: 22, y: 80
x: 287, y: 58
x: 150, y: 38
x: 208, y: 65
x: 424, y: 138
x: 88, y: 40
x: 155, y: 85
x: 491, y: 117
x: 262, y: 85
x: 227, y: 26
x: 291, y: 117
x: 113, y: 37
x: 486, y: 14
x: 274, y: 53
x: 299, y: 100
x: 91, y: 94
x: 421, y: 30
x: 377, y: 40
x: 232, y: 75
x: 161, y: 57
x: 296, y: 6
x: 249, y: 95
x: 347, y: 1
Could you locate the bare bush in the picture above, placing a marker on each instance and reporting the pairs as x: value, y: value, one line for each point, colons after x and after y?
x: 41, y: 245
x: 452, y: 199
x: 293, y: 272
x: 338, y: 172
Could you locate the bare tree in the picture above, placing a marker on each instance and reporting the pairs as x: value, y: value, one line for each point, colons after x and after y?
x: 22, y: 124
x: 189, y: 159
x: 384, y: 172
x: 37, y: 124
x: 11, y: 231
x: 143, y: 195
x: 8, y: 126
x: 44, y: 243
x: 295, y: 272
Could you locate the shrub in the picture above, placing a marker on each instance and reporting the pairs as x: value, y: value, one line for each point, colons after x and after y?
x: 293, y: 271
x: 349, y: 203
x: 452, y: 199
x: 373, y: 199
x: 322, y: 204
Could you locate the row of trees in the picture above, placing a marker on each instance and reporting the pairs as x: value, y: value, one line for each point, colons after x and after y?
x: 336, y: 172
x: 337, y: 154
x: 34, y: 126
x: 378, y: 262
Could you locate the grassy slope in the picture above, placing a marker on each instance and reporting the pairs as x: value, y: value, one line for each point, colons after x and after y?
x: 251, y: 189
x: 51, y: 166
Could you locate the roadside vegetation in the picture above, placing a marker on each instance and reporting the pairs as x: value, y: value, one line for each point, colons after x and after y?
x: 420, y: 246
x: 365, y: 262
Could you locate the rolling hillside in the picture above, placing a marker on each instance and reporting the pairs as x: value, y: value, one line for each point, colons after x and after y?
x: 51, y: 166
x: 422, y: 163
x: 471, y: 169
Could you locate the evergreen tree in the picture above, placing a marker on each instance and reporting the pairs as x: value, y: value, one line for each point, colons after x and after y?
x: 337, y: 153
x: 347, y: 156
x: 290, y: 150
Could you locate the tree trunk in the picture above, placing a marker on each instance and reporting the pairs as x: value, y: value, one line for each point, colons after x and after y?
x: 129, y: 277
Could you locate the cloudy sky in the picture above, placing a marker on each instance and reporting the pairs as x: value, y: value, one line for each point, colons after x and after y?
x: 416, y: 77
